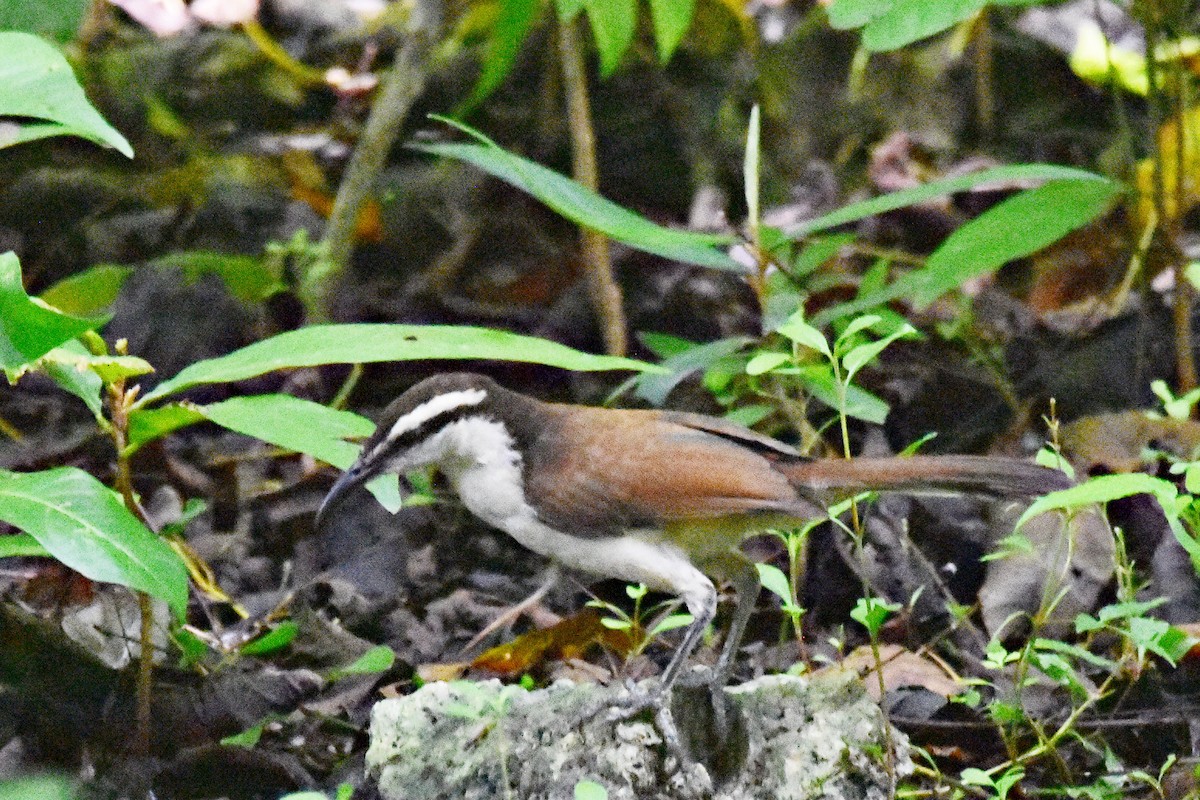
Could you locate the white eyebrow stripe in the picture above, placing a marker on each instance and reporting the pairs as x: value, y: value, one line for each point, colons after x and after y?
x: 432, y: 408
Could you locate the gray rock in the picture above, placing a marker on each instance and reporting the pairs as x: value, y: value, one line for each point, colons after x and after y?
x: 795, y: 738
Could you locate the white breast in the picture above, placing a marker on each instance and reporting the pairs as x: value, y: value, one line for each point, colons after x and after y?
x: 479, y: 458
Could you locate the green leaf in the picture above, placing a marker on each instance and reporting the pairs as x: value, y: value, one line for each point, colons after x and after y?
x: 864, y: 354
x: 21, y: 544
x: 590, y: 790
x: 860, y: 404
x: 37, y: 787
x: 28, y: 327
x: 872, y: 612
x: 583, y: 206
x: 107, y: 368
x: 369, y: 343
x: 670, y: 622
x: 613, y: 23
x: 907, y: 21
x: 512, y: 26
x: 149, y: 424
x: 300, y: 425
x: 1102, y: 489
x: 84, y: 524
x: 306, y: 427
x: 277, y: 638
x: 680, y: 358
x: 804, y: 334
x: 763, y: 363
x: 378, y: 659
x: 55, y: 19
x: 773, y: 580
x: 908, y: 197
x: 85, y: 385
x: 1014, y: 228
x: 568, y: 9
x: 88, y: 292
x: 671, y: 19
x: 249, y: 739
x: 249, y: 278
x: 37, y: 82
x: 847, y: 15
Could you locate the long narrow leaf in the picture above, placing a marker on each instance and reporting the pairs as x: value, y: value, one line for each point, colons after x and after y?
x: 370, y: 342
x: 910, y: 197
x: 584, y: 207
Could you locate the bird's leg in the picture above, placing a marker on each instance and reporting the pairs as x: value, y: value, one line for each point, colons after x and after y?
x: 741, y: 572
x: 702, y: 605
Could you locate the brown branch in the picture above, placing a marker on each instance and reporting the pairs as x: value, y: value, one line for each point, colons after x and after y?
x: 399, y: 90
x: 606, y: 294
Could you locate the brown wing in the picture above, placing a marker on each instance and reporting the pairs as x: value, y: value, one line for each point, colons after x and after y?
x: 629, y: 469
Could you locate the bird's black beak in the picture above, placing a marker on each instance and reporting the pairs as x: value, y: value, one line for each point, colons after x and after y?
x: 341, y: 487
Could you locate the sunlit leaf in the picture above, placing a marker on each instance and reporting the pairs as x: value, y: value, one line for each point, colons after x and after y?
x: 37, y: 82
x: 371, y: 342
x: 85, y: 525
x: 28, y: 327
x: 584, y: 207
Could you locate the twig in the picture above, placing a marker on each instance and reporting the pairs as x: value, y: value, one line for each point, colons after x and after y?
x: 606, y: 294
x: 400, y: 88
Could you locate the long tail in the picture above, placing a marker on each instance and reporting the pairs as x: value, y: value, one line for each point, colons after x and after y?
x: 986, y: 475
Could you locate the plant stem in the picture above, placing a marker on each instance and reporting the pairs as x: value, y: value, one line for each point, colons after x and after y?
x: 119, y: 403
x: 597, y: 260
x: 399, y: 90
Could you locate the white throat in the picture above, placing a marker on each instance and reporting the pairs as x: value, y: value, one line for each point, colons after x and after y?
x: 479, y: 458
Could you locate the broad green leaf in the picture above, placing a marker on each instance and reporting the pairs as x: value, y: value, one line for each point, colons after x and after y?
x: 908, y: 197
x: 370, y: 342
x: 85, y: 385
x: 846, y: 15
x: 89, y: 292
x: 1014, y: 228
x: 804, y: 334
x: 862, y: 355
x: 763, y: 363
x: 84, y: 524
x: 305, y: 427
x: 584, y: 207
x: 908, y: 21
x: 378, y: 659
x: 28, y: 327
x: 55, y: 19
x: 671, y: 19
x: 37, y: 82
x: 300, y: 425
x: 21, y: 544
x: 774, y: 581
x: 613, y: 24
x: 37, y: 787
x: 149, y: 424
x: 508, y: 34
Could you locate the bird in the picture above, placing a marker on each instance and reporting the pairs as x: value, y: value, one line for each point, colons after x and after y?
x: 662, y: 498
